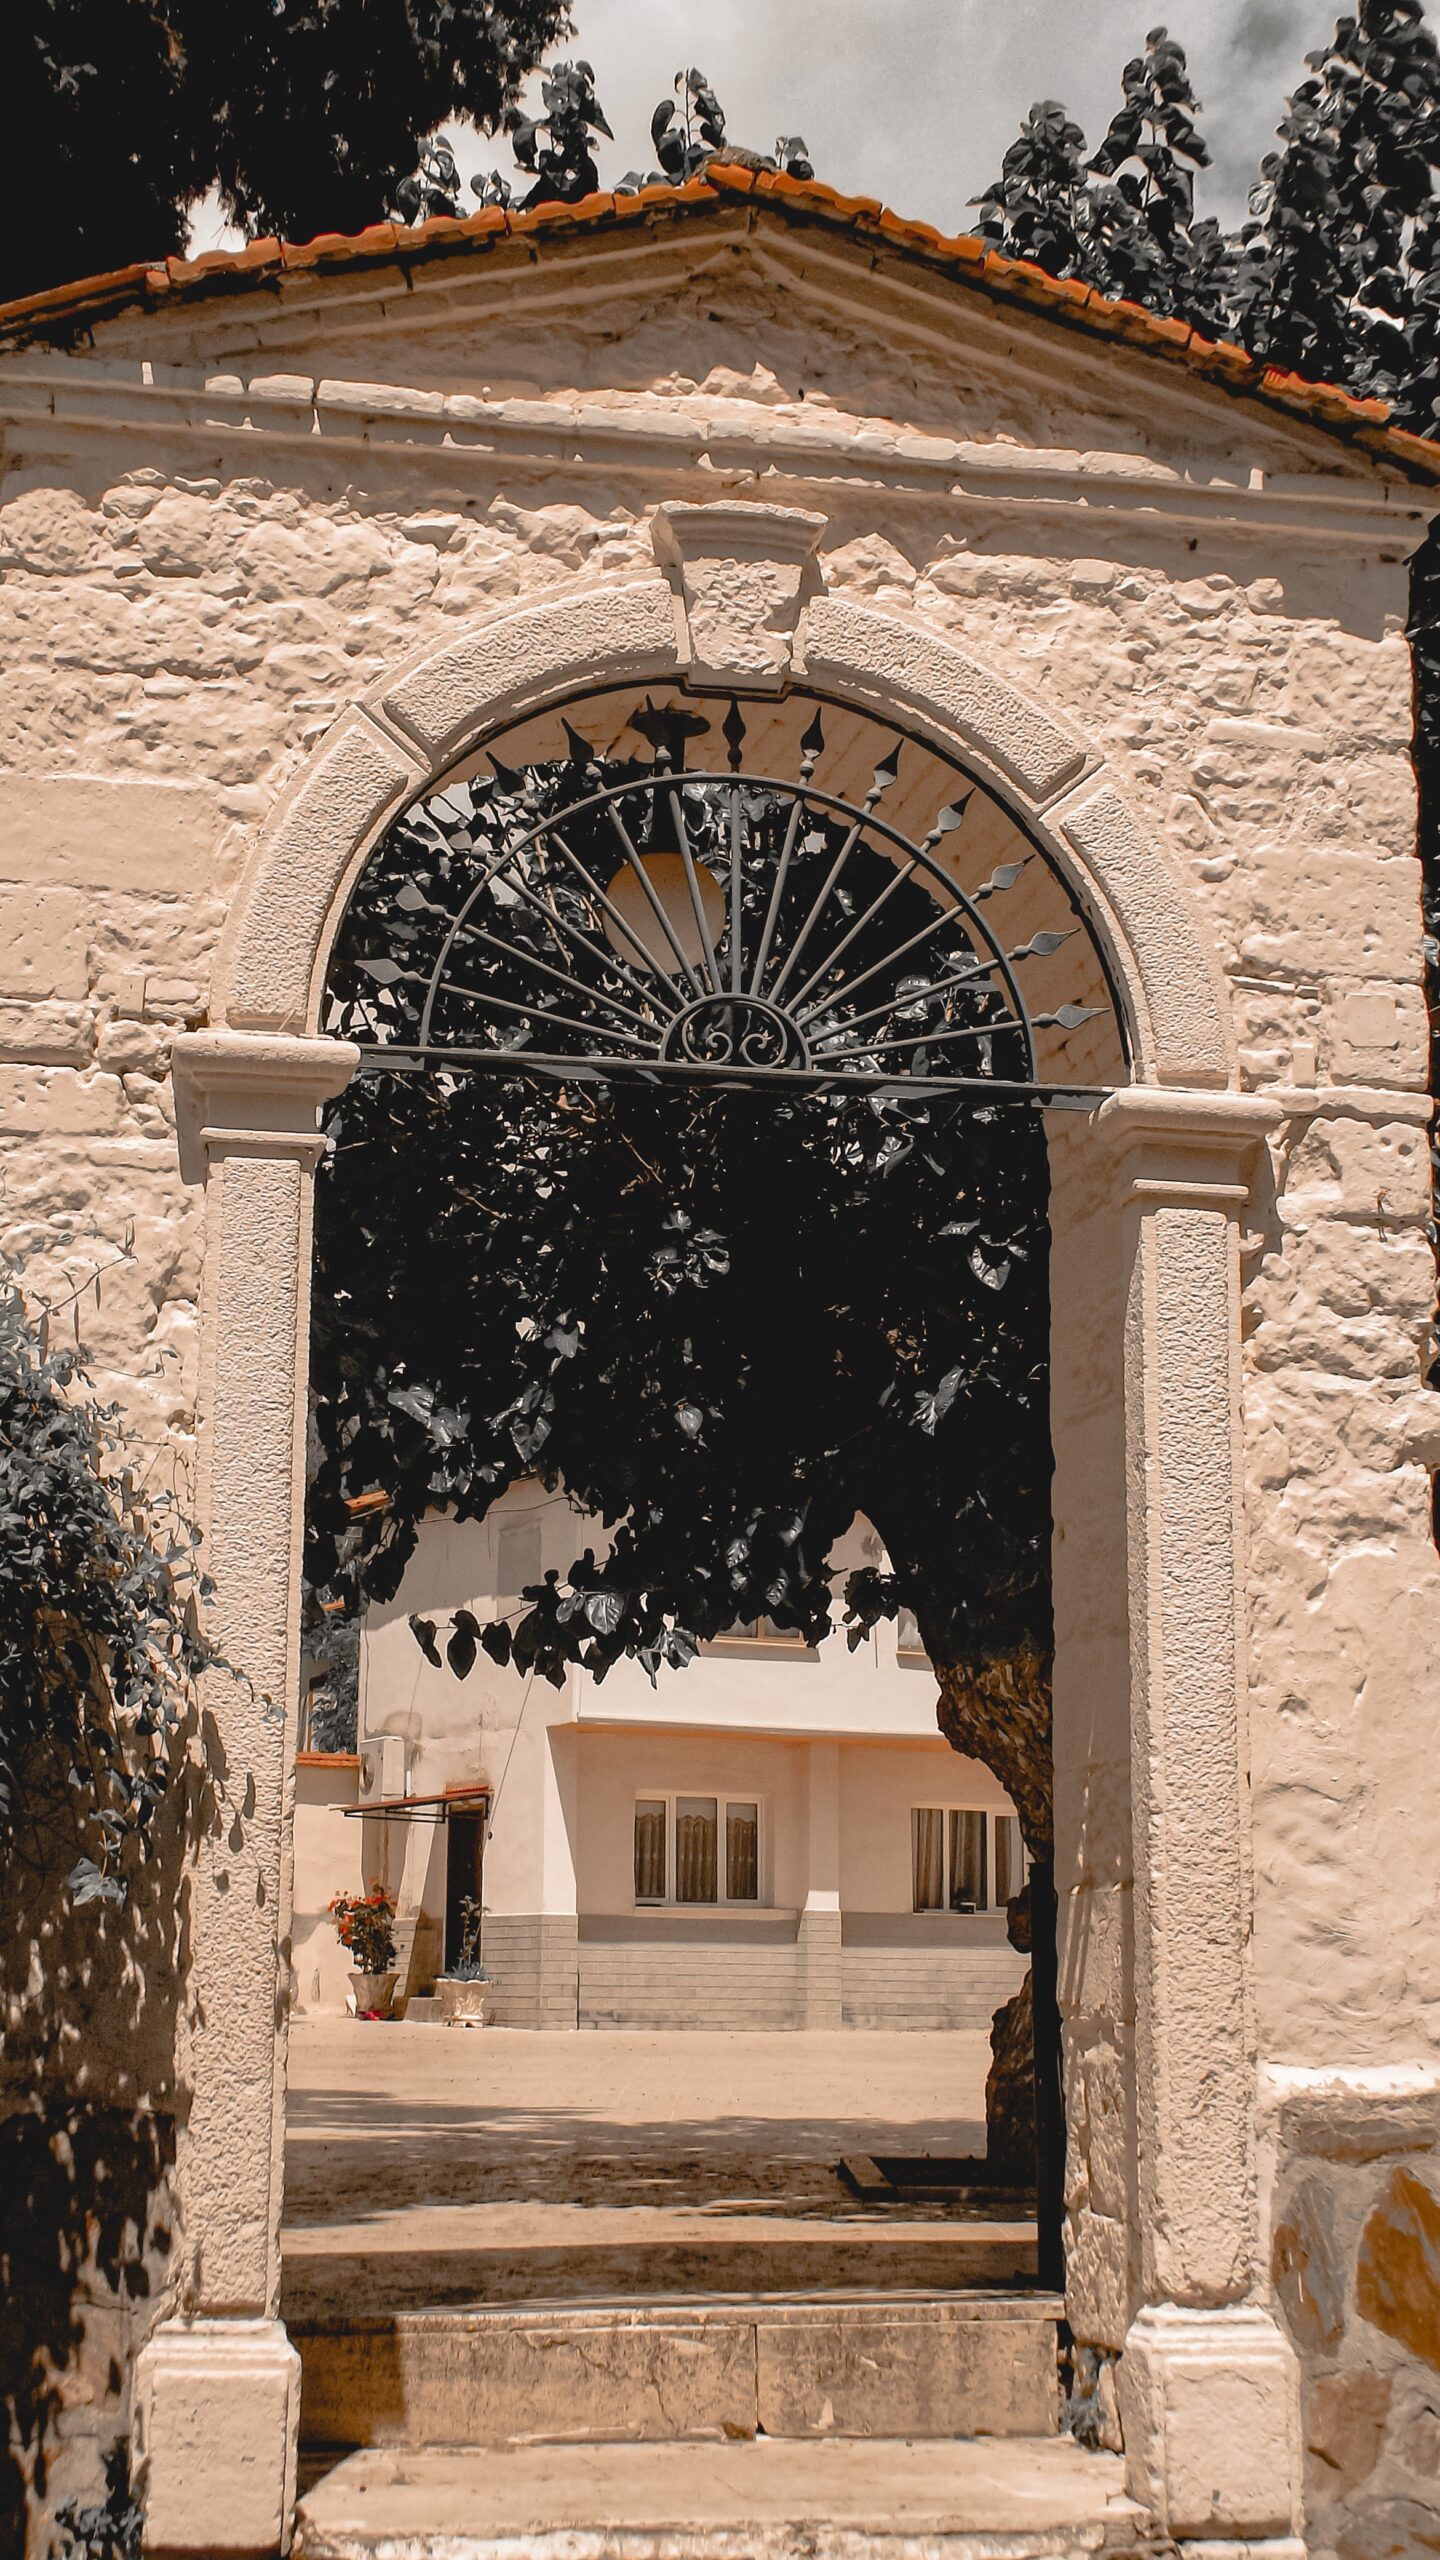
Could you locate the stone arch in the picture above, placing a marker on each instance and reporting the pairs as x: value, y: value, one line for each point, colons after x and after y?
x: 1168, y: 1168
x: 416, y: 724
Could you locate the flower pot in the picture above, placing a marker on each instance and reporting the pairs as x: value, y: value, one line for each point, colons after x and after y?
x: 463, y: 2004
x: 373, y: 1993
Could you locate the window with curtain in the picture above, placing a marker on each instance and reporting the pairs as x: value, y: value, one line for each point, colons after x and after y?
x: 742, y: 1853
x: 967, y: 1862
x: 962, y: 1860
x: 517, y: 1559
x: 927, y: 1845
x: 650, y: 1828
x: 760, y: 1631
x: 696, y: 1826
x: 697, y: 1849
x: 907, y: 1636
x: 1009, y: 1858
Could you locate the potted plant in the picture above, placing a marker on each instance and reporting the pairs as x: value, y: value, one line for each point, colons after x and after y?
x: 365, y: 1926
x: 463, y: 1990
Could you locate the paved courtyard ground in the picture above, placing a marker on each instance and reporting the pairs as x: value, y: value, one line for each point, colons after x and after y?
x: 430, y: 2165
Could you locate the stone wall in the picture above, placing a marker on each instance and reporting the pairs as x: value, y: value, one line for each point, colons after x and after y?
x: 1356, y: 2267
x: 217, y: 531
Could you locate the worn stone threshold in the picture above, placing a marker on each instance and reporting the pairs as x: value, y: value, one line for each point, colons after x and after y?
x: 936, y: 2366
x: 460, y: 2257
x: 989, y: 2302
x: 975, y: 2499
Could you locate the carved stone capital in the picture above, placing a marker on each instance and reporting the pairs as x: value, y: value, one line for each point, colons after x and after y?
x: 254, y: 1093
x: 1175, y: 1148
x: 738, y: 571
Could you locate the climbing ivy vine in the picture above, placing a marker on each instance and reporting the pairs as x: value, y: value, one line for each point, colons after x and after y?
x: 100, y: 1639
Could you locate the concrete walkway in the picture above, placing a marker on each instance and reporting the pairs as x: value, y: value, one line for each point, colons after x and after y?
x: 435, y: 2166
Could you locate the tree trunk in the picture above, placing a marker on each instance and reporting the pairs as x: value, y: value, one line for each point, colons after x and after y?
x: 1000, y: 1716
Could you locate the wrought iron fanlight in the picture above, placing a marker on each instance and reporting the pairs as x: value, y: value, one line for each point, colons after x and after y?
x: 591, y: 919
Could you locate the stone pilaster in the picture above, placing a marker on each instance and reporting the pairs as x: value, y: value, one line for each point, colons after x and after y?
x: 818, y: 1962
x: 217, y: 2390
x: 1207, y: 2381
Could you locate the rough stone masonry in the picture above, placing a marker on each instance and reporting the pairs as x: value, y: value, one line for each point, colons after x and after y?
x: 236, y: 515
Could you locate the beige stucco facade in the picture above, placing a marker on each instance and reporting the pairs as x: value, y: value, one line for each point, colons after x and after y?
x: 273, y: 561
x: 833, y: 1749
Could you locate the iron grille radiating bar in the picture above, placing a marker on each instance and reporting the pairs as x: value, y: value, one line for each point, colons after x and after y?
x: 715, y: 995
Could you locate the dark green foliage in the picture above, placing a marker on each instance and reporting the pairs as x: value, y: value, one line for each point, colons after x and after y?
x: 110, y: 2529
x: 310, y: 115
x: 725, y: 1322
x: 1124, y: 218
x: 317, y: 109
x: 1334, y: 275
x: 688, y: 127
x: 94, y: 93
x: 99, y: 1643
x: 1039, y: 206
x: 554, y: 151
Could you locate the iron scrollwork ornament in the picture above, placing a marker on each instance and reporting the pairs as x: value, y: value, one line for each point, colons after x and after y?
x: 594, y: 918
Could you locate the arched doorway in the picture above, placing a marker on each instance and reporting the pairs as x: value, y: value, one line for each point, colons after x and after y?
x: 1164, y: 1179
x: 812, y: 938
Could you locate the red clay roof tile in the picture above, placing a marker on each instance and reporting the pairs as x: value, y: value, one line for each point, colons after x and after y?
x: 66, y: 309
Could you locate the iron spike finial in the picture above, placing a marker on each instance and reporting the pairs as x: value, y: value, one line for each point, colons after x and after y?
x: 768, y: 932
x: 666, y: 727
x: 1004, y: 877
x: 885, y: 773
x: 949, y: 819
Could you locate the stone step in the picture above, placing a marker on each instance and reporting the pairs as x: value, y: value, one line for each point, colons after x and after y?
x: 765, y: 2501
x: 920, y: 2365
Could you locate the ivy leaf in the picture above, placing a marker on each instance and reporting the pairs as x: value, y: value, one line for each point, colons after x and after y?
x: 931, y: 1409
x: 463, y: 1645
x: 87, y: 1884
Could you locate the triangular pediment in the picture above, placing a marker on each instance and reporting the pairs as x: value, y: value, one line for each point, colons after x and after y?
x: 717, y: 309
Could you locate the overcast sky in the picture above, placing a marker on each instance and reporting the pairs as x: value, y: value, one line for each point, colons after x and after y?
x: 914, y: 101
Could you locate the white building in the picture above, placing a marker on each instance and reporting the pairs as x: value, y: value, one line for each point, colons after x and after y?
x: 777, y: 1836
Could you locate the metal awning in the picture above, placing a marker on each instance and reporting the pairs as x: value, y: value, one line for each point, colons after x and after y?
x: 420, y: 1808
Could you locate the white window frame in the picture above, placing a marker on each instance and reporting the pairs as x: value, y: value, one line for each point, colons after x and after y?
x: 724, y: 1798
x: 992, y: 1815
x: 909, y: 1648
x: 757, y: 1635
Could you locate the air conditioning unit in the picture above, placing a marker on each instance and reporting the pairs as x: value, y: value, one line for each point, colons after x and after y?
x: 382, y: 1768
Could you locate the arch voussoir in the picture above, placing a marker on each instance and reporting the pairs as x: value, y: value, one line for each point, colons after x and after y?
x: 418, y: 722
x: 499, y: 670
x: 1173, y: 996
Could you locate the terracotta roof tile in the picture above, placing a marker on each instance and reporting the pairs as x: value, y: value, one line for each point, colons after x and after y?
x: 66, y: 310
x: 123, y: 284
x: 224, y: 267
x: 380, y: 240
